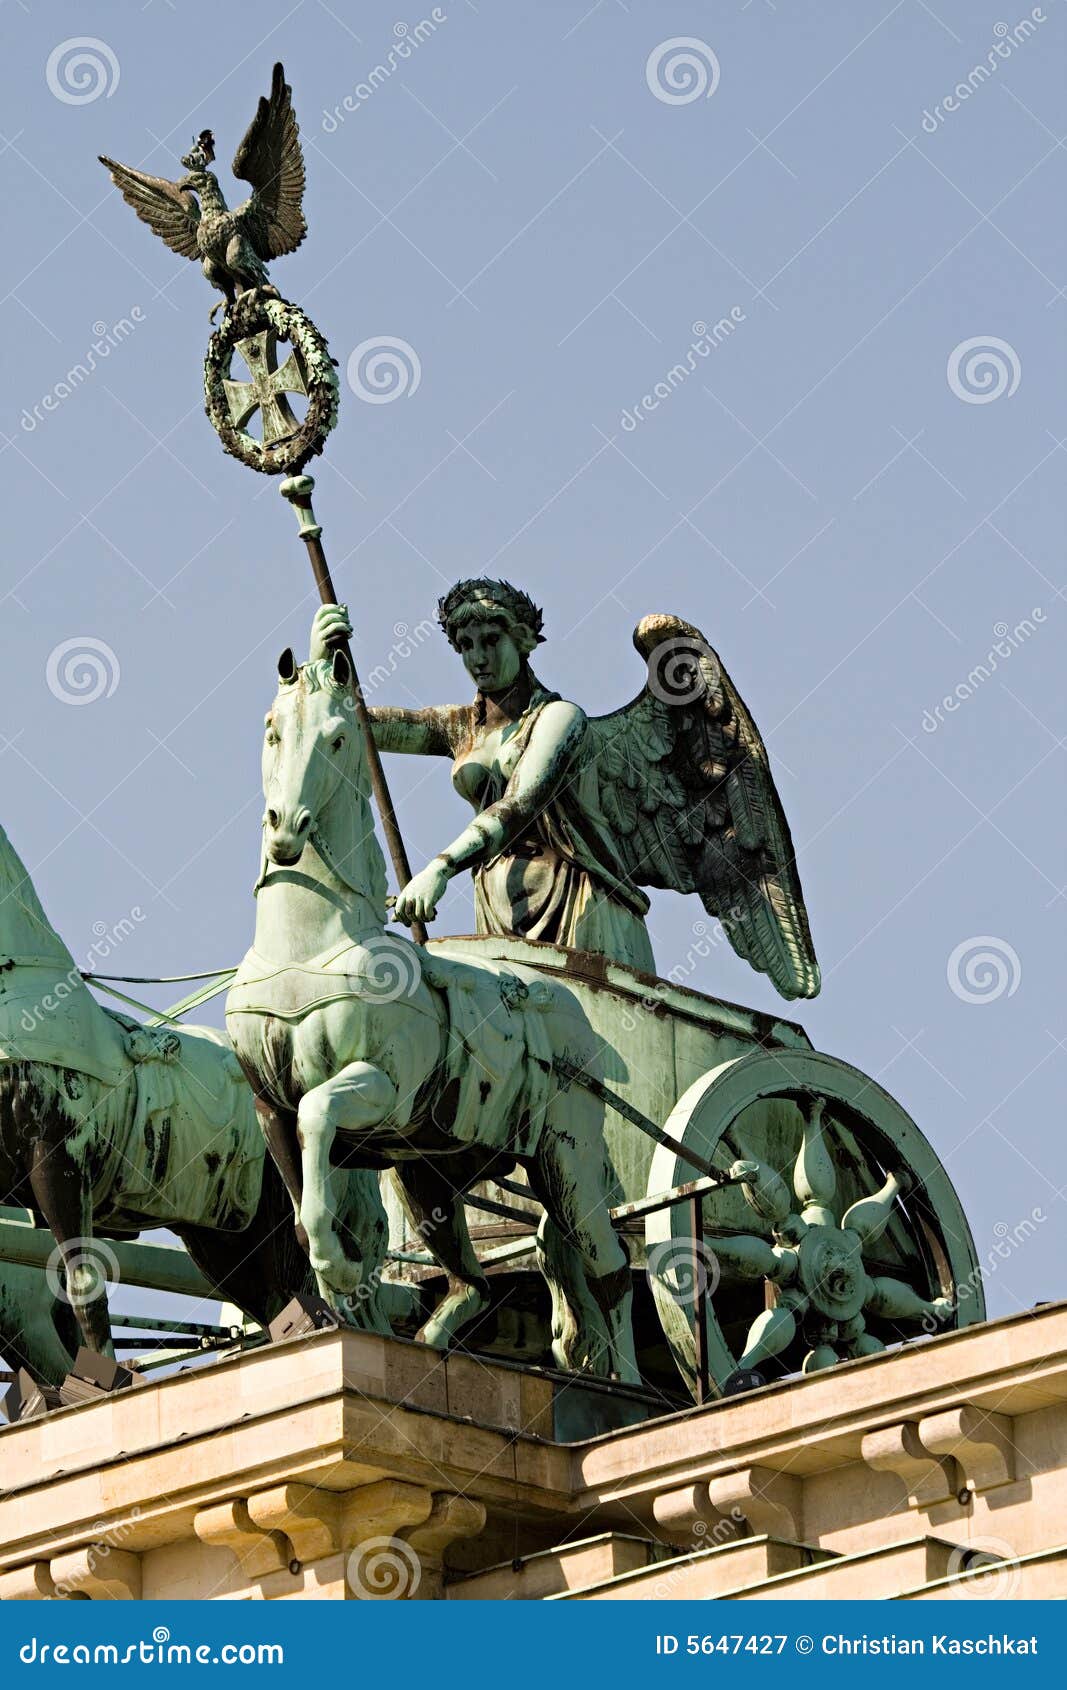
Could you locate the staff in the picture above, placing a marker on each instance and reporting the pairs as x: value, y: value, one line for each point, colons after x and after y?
x: 298, y: 490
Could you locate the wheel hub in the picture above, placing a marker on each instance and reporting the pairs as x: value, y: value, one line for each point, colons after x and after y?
x: 831, y: 1272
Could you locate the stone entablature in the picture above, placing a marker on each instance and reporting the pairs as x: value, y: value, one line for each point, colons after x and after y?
x: 337, y: 1464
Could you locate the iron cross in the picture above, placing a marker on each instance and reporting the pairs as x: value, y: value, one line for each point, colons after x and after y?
x: 266, y: 390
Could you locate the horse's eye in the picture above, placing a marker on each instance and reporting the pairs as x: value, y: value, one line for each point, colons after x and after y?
x: 338, y: 742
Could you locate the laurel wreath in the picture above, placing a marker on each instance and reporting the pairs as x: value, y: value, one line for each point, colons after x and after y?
x: 250, y: 313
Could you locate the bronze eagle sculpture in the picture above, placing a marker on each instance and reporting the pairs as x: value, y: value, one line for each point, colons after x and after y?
x: 192, y: 215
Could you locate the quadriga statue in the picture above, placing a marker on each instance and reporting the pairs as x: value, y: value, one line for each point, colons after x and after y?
x: 364, y: 1049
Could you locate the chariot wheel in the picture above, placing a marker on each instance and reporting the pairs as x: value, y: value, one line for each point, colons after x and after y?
x: 838, y: 1234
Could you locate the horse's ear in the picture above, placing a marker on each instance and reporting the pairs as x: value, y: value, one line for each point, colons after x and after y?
x: 342, y: 669
x: 287, y: 667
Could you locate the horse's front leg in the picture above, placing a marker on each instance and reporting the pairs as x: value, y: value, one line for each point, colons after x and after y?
x: 353, y: 1103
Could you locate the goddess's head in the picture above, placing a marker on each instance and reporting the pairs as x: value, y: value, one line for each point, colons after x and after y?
x: 494, y: 627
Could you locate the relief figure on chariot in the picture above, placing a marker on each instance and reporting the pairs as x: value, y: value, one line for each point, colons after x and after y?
x: 576, y: 815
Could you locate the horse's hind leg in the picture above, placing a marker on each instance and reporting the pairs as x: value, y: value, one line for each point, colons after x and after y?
x: 436, y: 1210
x: 573, y: 1179
x: 61, y: 1192
x: 580, y: 1341
x: 261, y: 1268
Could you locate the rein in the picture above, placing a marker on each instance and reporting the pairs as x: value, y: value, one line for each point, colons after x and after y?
x: 219, y: 982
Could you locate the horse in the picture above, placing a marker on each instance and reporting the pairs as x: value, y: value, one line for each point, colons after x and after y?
x: 364, y: 1049
x: 108, y: 1126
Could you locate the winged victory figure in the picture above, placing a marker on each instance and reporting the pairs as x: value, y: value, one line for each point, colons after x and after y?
x: 192, y: 215
x: 577, y: 814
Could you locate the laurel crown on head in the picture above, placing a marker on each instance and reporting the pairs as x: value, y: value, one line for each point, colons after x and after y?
x: 483, y: 600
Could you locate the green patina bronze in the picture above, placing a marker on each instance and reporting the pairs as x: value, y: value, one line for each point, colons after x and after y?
x: 108, y: 1126
x: 577, y: 814
x: 542, y: 1052
x: 436, y: 1066
x: 192, y: 216
x: 442, y: 1062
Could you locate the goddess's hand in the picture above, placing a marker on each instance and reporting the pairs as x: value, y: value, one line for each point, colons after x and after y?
x: 330, y: 629
x: 420, y: 897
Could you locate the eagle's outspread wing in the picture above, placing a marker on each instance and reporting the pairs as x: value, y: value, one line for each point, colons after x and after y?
x: 172, y: 213
x: 686, y: 787
x: 270, y: 158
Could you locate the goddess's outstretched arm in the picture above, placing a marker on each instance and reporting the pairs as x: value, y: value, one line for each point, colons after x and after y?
x: 432, y: 732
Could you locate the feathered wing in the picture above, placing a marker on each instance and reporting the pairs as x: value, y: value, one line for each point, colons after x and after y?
x: 270, y: 158
x: 172, y: 214
x: 686, y: 787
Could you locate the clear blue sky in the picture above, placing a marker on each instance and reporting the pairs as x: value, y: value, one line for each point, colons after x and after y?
x: 516, y: 204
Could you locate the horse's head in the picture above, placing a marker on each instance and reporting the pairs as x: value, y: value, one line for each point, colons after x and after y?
x: 311, y: 747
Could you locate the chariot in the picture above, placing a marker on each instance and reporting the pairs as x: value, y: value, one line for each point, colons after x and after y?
x: 781, y: 1210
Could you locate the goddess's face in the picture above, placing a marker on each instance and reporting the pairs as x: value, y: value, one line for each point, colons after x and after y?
x: 490, y: 655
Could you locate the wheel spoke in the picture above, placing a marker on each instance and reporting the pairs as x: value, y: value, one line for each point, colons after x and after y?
x: 870, y: 1216
x: 764, y: 1190
x: 894, y: 1300
x: 750, y: 1257
x: 814, y: 1175
x: 770, y: 1333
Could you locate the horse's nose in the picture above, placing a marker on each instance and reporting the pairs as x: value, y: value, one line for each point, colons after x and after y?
x: 285, y: 838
